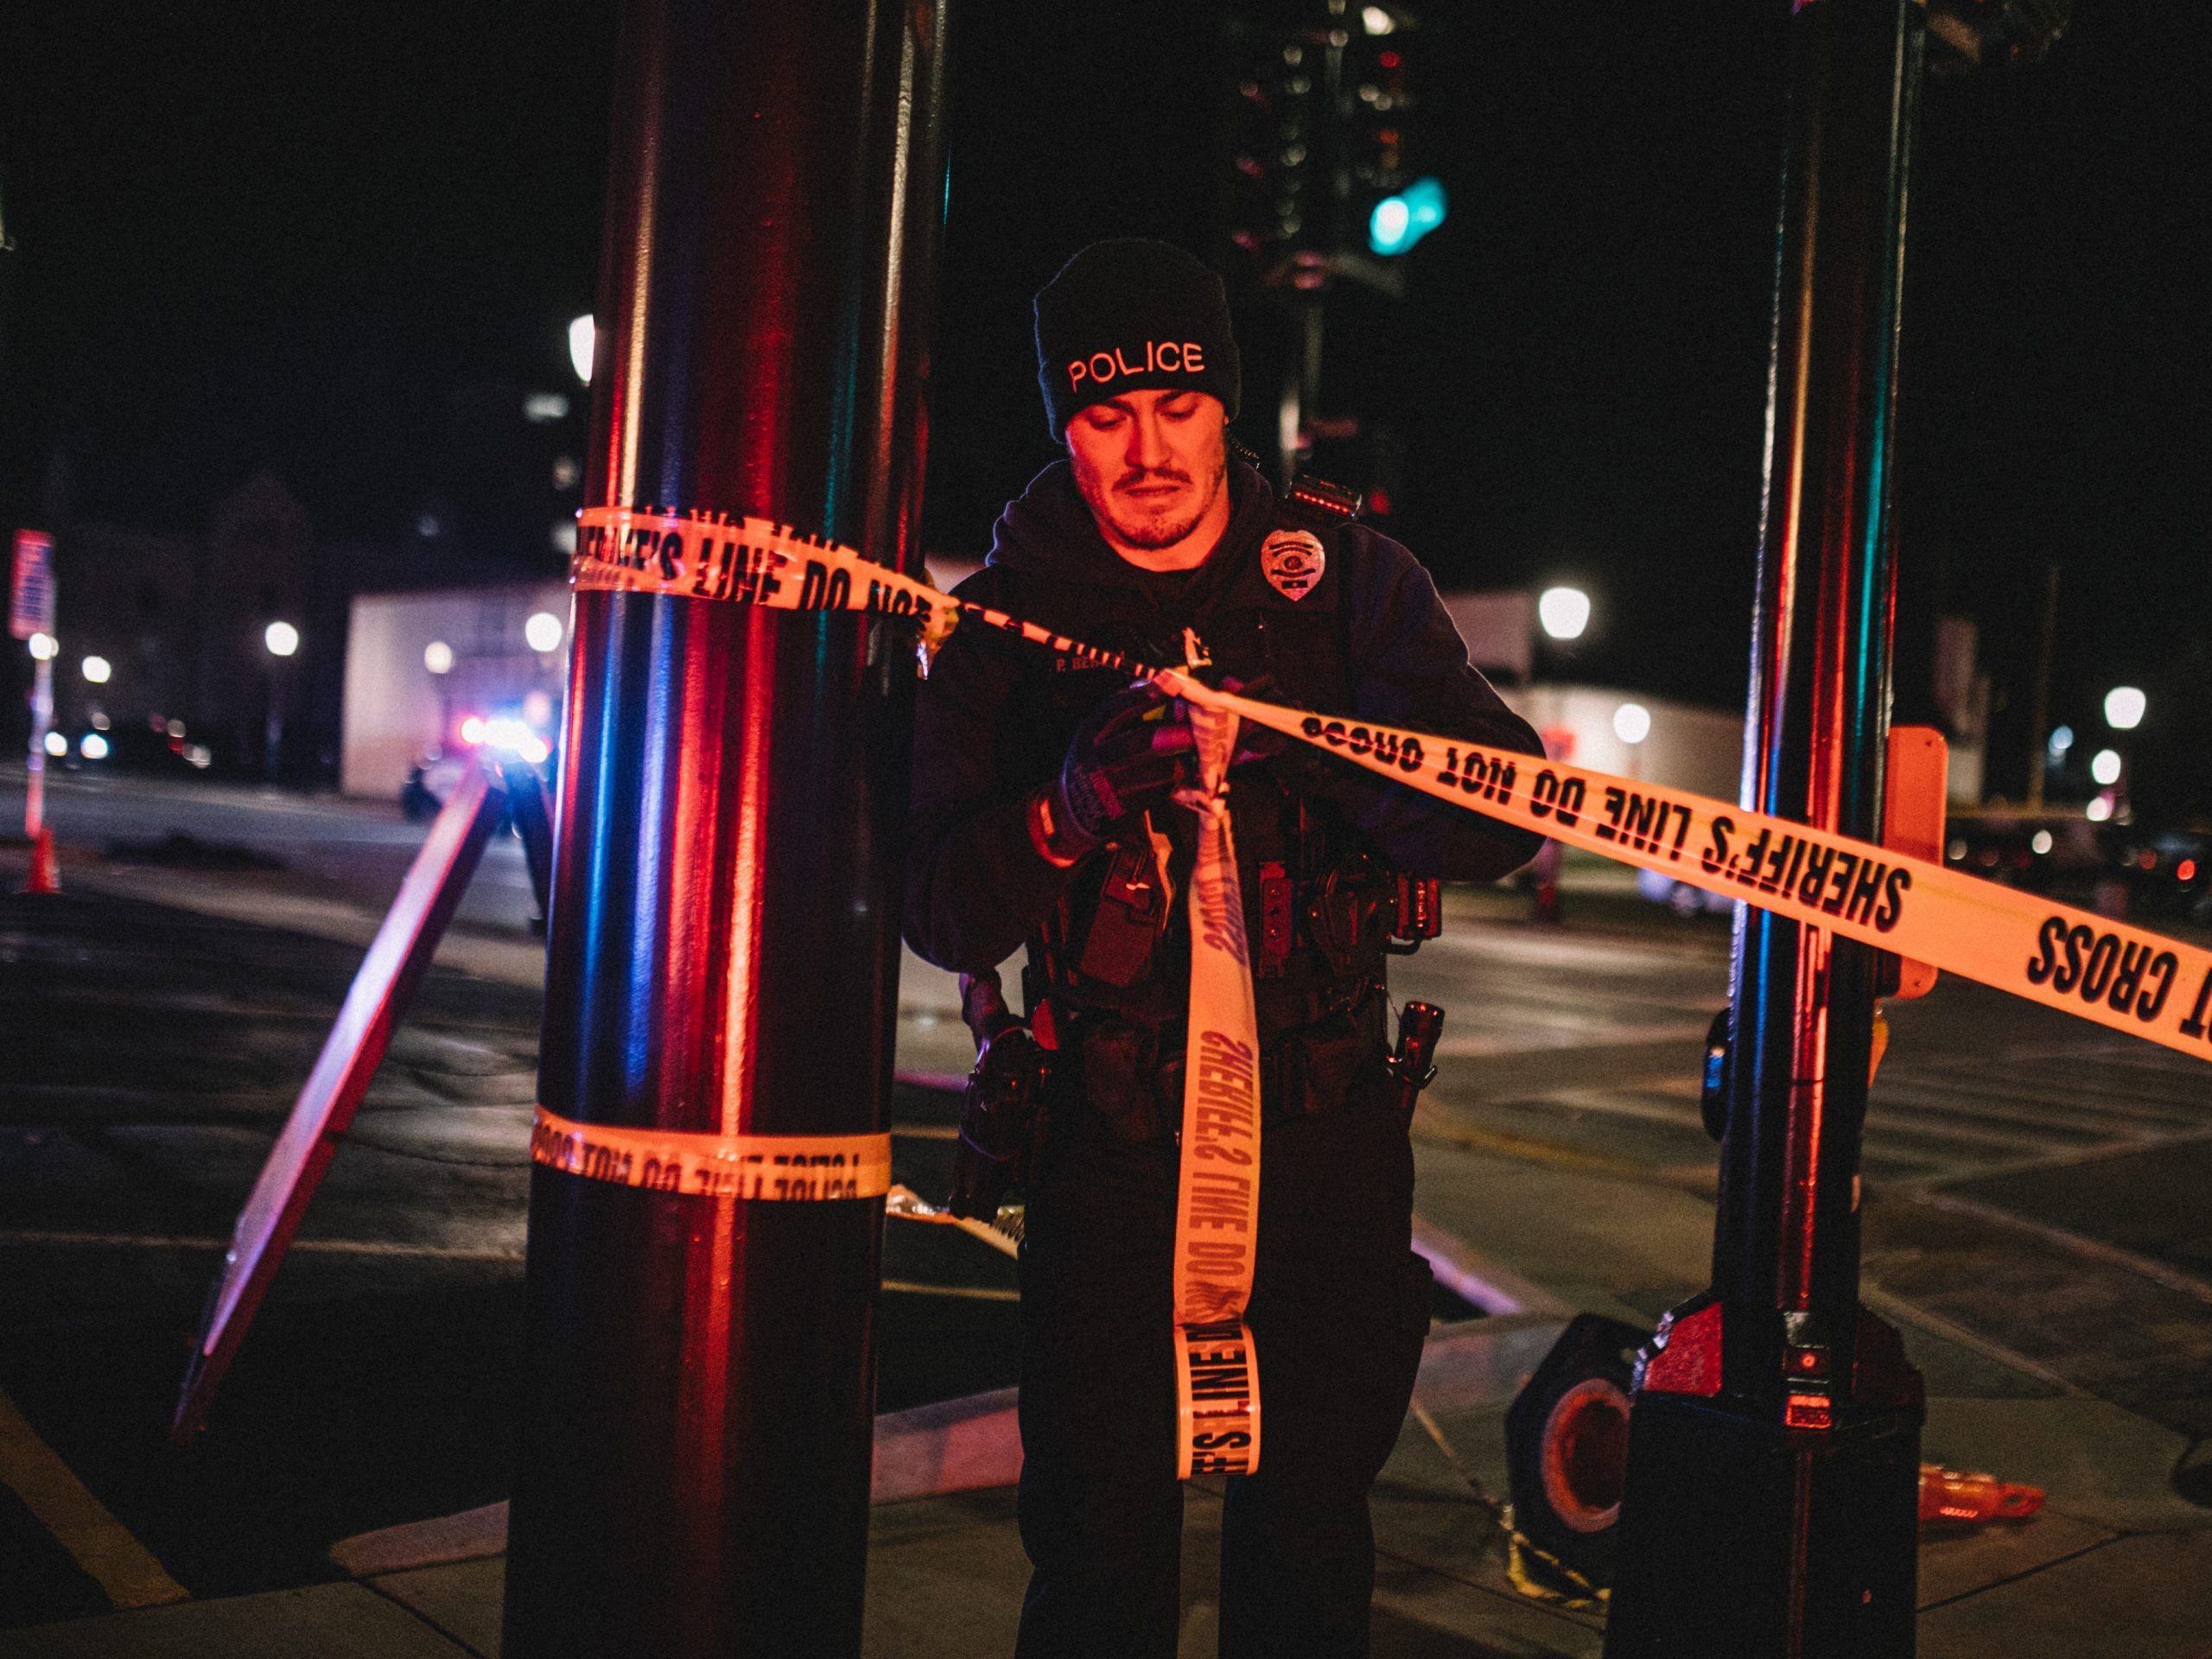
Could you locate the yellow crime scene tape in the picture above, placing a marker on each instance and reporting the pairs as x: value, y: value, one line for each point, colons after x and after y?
x: 2085, y: 965
x: 1217, y: 1184
x: 770, y: 1167
x: 757, y: 562
x: 2124, y: 977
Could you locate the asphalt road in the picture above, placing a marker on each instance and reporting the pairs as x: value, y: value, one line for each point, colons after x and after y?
x: 2031, y: 1181
x: 356, y: 851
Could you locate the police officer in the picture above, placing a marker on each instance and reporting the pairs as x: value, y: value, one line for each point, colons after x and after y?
x: 1042, y: 820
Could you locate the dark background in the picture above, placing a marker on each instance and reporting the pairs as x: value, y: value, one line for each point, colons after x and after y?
x: 254, y: 237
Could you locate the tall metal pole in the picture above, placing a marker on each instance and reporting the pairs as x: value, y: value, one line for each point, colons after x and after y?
x: 2039, y: 735
x: 694, y: 1441
x: 35, y: 760
x: 1774, y: 1439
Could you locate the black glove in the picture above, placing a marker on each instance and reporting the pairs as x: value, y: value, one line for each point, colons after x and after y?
x: 1131, y: 754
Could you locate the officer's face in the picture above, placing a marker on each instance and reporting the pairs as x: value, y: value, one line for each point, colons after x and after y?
x: 1151, y: 464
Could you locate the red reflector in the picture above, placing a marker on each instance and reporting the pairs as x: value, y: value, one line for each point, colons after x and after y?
x: 1807, y: 1411
x: 1690, y: 1361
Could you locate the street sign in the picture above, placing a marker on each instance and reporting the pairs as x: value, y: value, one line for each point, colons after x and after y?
x: 385, y: 984
x: 30, y: 586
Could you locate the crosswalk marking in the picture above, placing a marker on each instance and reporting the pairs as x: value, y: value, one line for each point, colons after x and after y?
x: 2065, y: 1122
x: 1929, y: 1121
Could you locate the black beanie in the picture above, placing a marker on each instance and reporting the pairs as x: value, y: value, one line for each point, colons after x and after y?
x: 1129, y: 316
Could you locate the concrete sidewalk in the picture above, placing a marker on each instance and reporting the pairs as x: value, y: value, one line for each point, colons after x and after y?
x: 2116, y: 1565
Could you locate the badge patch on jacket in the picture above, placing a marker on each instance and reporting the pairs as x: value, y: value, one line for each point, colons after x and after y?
x: 1293, y: 560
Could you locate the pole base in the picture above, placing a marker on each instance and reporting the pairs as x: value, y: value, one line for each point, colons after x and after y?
x: 1742, y: 1536
x: 46, y: 869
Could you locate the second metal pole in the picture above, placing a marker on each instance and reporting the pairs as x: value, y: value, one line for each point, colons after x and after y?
x: 1774, y: 1439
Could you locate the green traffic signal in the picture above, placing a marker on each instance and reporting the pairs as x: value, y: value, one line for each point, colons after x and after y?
x: 1400, y: 220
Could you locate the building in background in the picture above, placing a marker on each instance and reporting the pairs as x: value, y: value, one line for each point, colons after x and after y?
x: 168, y: 654
x: 1958, y: 690
x: 164, y: 640
x: 1684, y: 746
x: 431, y: 675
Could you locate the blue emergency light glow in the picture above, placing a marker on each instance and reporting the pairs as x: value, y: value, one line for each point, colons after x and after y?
x: 1400, y: 221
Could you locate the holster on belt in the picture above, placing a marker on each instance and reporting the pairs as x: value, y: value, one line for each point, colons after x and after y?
x: 1316, y: 1067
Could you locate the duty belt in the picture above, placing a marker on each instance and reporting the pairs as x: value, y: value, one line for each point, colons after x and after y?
x: 1128, y: 1074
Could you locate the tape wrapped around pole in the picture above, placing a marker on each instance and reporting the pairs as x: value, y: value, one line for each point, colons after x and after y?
x: 777, y: 1168
x: 751, y: 560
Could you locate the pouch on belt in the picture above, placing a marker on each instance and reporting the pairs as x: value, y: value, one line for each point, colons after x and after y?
x: 1315, y: 1068
x: 1132, y: 1076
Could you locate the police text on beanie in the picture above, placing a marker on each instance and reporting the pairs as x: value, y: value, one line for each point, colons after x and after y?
x: 1132, y: 316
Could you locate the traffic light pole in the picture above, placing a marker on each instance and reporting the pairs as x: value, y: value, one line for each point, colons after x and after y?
x: 693, y: 1450
x: 1774, y: 1439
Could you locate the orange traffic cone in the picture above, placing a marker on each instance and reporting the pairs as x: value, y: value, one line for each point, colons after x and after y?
x: 1952, y: 1496
x: 46, y: 869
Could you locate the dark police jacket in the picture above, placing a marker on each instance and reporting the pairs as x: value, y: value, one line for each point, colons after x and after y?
x: 1369, y: 639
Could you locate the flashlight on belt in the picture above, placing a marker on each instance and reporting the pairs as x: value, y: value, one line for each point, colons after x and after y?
x: 1420, y: 1023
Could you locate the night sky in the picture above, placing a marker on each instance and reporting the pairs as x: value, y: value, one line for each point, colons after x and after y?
x: 253, y: 236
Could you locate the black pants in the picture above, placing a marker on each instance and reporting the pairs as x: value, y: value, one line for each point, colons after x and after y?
x: 1339, y: 1308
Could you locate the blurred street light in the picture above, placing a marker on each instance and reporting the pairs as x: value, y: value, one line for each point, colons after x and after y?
x: 437, y: 657
x: 543, y: 632
x: 282, y: 639
x: 1631, y: 722
x: 92, y: 747
x: 2104, y: 767
x: 42, y: 648
x: 2124, y: 707
x: 56, y: 745
x: 2100, y: 809
x: 2061, y: 739
x: 96, y: 669
x: 1564, y: 611
x: 583, y: 336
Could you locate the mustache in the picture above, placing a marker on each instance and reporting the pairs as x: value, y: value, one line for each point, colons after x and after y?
x: 1151, y: 475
